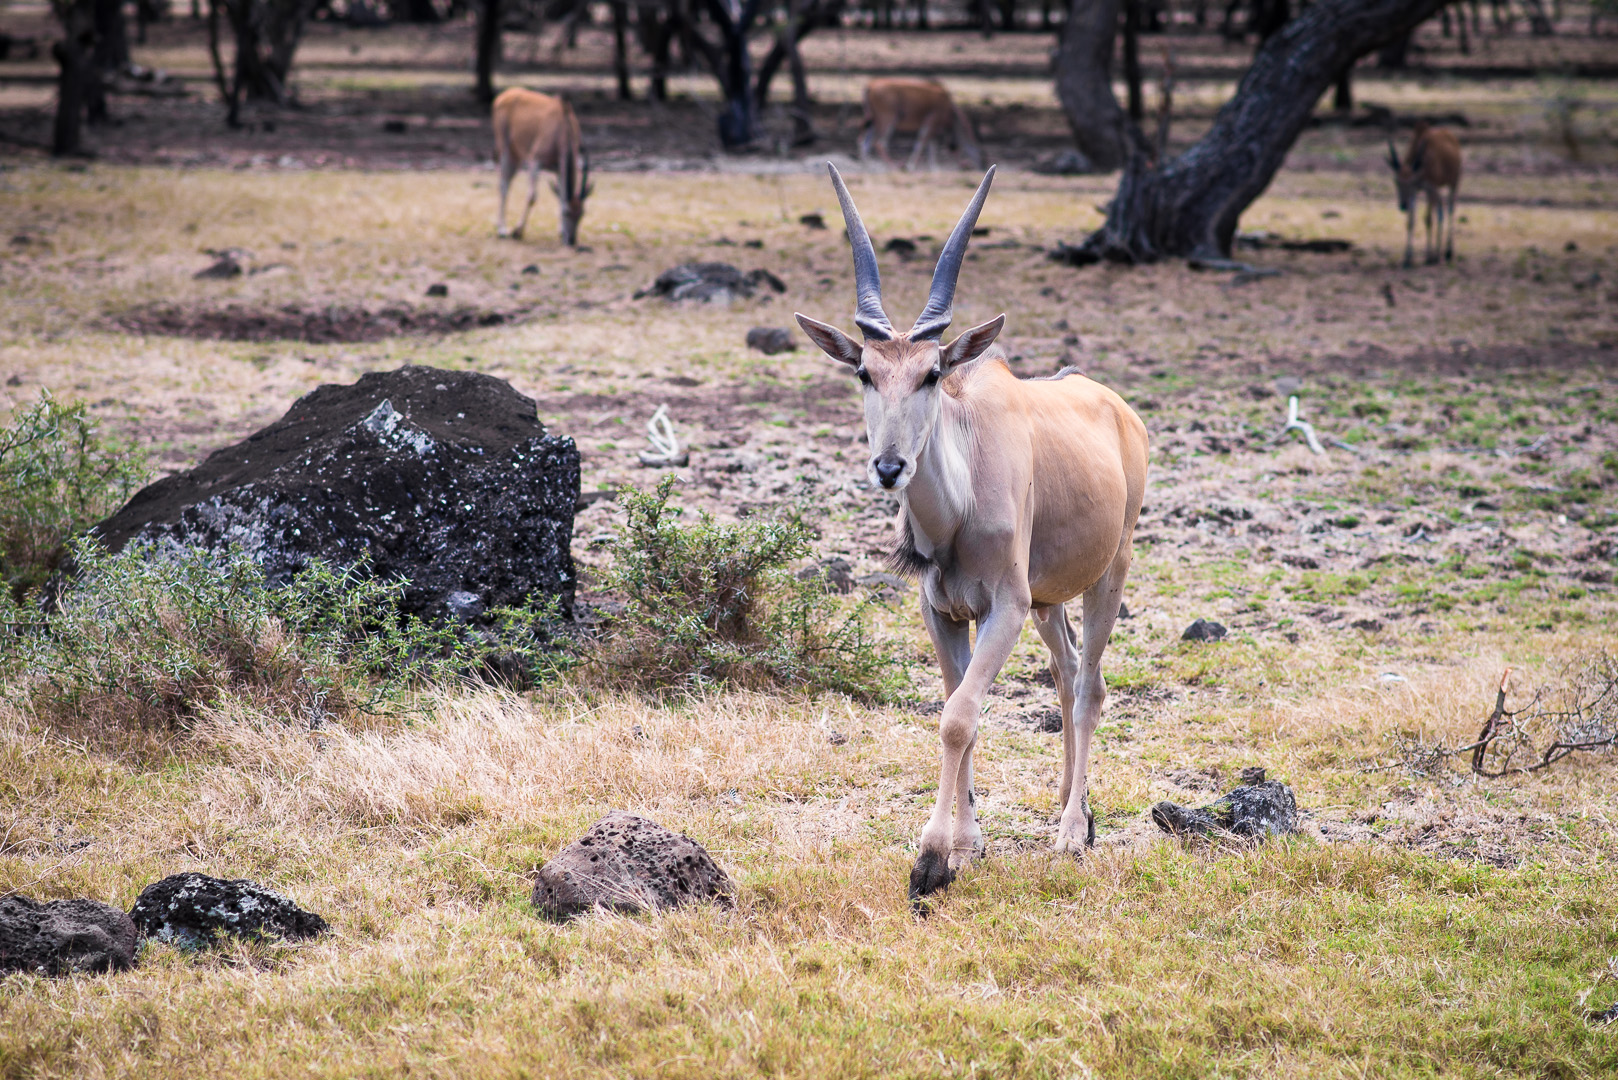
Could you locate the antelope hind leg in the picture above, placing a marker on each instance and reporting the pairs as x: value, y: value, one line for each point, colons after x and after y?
x: 1077, y: 829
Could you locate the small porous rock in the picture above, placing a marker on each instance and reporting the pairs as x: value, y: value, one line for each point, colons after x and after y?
x: 1251, y: 812
x: 194, y: 910
x: 835, y: 575
x: 224, y: 268
x: 1204, y: 630
x: 64, y: 936
x: 814, y: 220
x: 440, y: 289
x: 770, y: 340
x: 629, y: 864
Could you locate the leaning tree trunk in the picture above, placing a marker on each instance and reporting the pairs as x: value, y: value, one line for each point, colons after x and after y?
x: 112, y: 36
x: 1101, y: 131
x: 67, y: 138
x: 1190, y: 206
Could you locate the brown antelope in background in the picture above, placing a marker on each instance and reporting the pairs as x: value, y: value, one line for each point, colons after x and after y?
x: 1433, y: 162
x: 538, y: 131
x: 919, y: 106
x: 1015, y: 497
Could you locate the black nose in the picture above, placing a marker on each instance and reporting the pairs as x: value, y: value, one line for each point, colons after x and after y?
x: 888, y: 472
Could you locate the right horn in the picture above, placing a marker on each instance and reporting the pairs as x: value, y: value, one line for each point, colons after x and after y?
x: 868, y: 313
x: 935, y: 317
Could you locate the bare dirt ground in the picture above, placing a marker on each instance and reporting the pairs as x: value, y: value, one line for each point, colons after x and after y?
x: 1463, y: 519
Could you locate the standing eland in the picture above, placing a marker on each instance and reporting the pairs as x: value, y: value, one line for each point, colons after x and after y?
x: 1015, y: 497
x: 1433, y: 162
x: 538, y: 131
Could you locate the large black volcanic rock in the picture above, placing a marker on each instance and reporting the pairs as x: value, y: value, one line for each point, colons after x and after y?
x: 446, y: 478
x: 1251, y: 811
x: 64, y: 936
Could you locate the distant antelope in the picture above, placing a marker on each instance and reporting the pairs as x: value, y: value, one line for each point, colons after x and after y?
x: 919, y: 106
x: 1014, y: 497
x: 538, y: 131
x: 1433, y: 162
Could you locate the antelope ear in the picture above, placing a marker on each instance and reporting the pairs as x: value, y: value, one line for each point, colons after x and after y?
x: 832, y: 341
x: 971, y: 343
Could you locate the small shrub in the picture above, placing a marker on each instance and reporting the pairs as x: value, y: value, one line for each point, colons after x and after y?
x: 159, y: 638
x: 712, y: 603
x: 58, y: 474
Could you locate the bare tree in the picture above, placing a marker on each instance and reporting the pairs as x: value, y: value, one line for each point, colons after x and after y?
x: 266, y: 33
x: 1101, y: 130
x: 1189, y: 206
x: 80, y: 92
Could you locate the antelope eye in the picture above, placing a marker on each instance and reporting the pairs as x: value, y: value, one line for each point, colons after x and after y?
x: 864, y: 376
x: 932, y: 378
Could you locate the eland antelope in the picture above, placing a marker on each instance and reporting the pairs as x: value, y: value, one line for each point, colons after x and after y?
x: 538, y: 131
x: 1433, y: 162
x: 919, y: 106
x: 1015, y: 497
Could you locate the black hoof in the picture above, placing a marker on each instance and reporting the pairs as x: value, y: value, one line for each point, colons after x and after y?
x: 1090, y: 835
x: 930, y: 874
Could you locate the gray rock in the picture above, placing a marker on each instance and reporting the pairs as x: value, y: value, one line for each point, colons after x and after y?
x: 1204, y: 630
x: 770, y: 340
x: 629, y: 864
x: 195, y: 910
x: 225, y: 267
x: 710, y: 282
x: 834, y: 575
x: 444, y: 478
x: 1252, y: 812
x: 1069, y: 162
x: 64, y: 936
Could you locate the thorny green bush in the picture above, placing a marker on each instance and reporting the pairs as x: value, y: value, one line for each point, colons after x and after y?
x: 711, y: 603
x: 158, y: 637
x: 58, y: 474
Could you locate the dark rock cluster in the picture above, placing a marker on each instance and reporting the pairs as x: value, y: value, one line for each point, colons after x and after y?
x: 1252, y: 811
x: 710, y: 282
x: 629, y: 864
x: 193, y: 911
x: 444, y: 478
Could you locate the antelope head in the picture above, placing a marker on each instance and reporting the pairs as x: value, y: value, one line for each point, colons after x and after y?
x: 1406, y: 175
x: 901, y: 373
x: 571, y: 201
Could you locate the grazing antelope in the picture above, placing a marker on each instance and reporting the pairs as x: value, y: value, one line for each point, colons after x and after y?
x: 919, y: 106
x: 1015, y: 497
x: 538, y: 131
x: 1433, y: 162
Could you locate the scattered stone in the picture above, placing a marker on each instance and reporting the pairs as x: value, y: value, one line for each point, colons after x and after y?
x: 395, y: 127
x: 770, y: 340
x: 438, y: 289
x: 1204, y: 630
x: 1069, y: 162
x: 813, y: 221
x: 225, y: 267
x: 835, y: 575
x: 837, y: 738
x: 709, y: 282
x: 1048, y: 722
x: 1369, y: 625
x: 902, y: 247
x: 194, y: 910
x: 1253, y: 811
x: 444, y: 478
x: 531, y: 268
x: 1302, y: 562
x: 628, y: 864
x: 64, y: 936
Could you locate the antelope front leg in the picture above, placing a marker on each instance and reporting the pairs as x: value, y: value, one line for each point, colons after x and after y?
x: 1410, y: 236
x: 958, y: 731
x: 507, y: 170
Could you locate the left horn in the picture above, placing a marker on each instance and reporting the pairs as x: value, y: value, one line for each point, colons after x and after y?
x: 935, y: 317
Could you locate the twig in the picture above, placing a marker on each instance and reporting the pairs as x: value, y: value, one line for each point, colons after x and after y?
x: 665, y: 447
x: 1295, y: 424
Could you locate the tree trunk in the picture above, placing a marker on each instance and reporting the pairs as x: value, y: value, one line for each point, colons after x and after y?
x: 732, y: 66
x: 67, y: 138
x: 1137, y: 102
x: 488, y: 49
x: 414, y: 11
x: 112, y: 37
x: 1342, y: 98
x: 620, y: 48
x: 1101, y: 131
x: 1190, y: 206
x: 1395, y: 54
